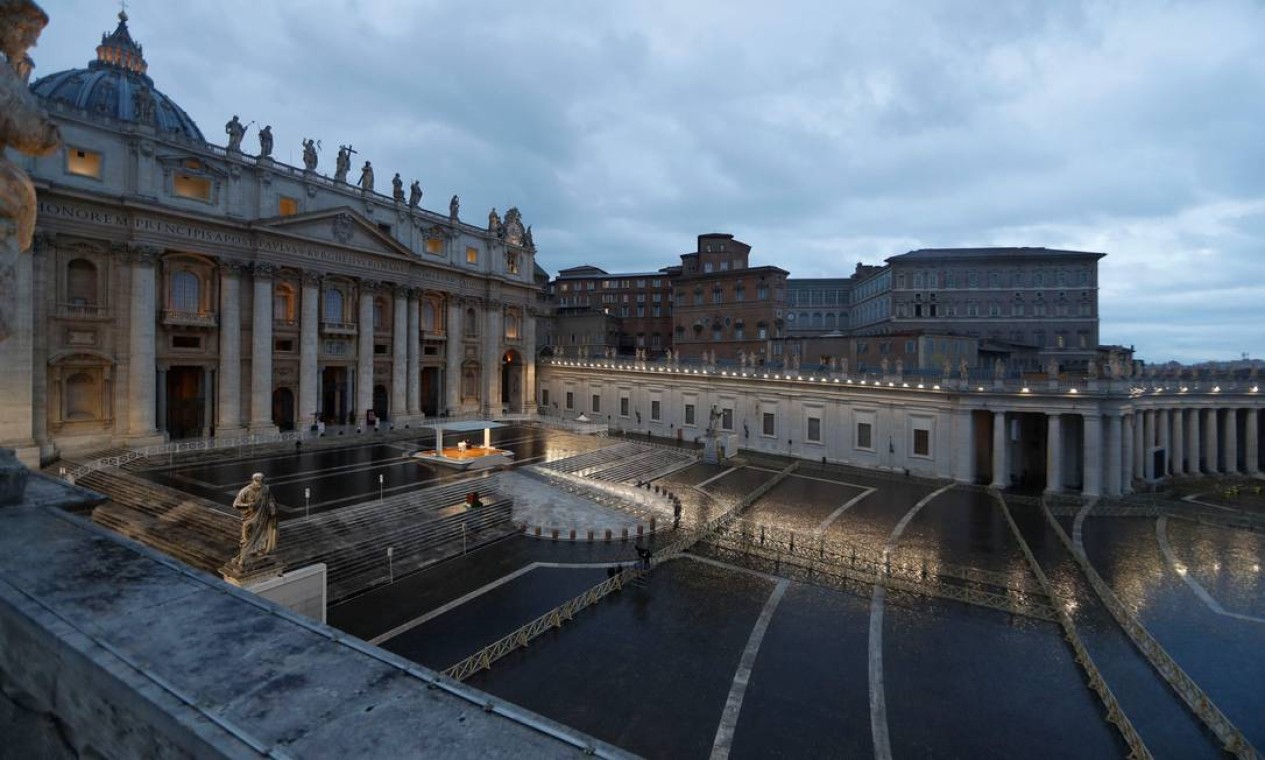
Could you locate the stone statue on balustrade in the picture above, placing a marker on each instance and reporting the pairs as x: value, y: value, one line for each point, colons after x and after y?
x: 454, y: 208
x: 26, y: 128
x: 366, y: 178
x: 883, y: 365
x: 843, y: 366
x: 999, y: 369
x: 235, y: 131
x: 309, y: 155
x: 900, y: 367
x: 494, y: 224
x: 946, y: 370
x: 415, y: 194
x: 1091, y: 369
x: 964, y: 372
x: 342, y: 164
x: 397, y: 188
x: 265, y: 142
x: 1052, y: 369
x: 258, y: 537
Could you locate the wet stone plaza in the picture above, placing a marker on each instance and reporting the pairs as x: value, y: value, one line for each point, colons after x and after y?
x: 843, y: 613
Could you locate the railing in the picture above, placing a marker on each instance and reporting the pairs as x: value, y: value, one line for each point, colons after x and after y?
x: 338, y: 328
x: 1232, y: 739
x: 178, y: 447
x: 82, y: 311
x: 1115, y: 713
x: 483, y: 659
x: 189, y: 318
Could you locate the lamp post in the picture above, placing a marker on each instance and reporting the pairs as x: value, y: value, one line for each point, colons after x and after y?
x: 307, y: 504
x: 381, y: 478
x: 390, y: 564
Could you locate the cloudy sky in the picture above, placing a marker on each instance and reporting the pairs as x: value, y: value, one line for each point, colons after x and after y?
x: 822, y: 133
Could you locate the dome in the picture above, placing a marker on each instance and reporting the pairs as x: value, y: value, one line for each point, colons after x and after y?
x: 116, y: 85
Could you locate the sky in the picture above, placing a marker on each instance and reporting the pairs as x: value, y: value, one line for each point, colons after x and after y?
x: 823, y: 134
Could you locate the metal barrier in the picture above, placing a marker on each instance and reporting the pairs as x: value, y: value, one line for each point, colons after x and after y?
x: 552, y: 619
x: 179, y: 447
x: 1115, y: 713
x: 1231, y: 738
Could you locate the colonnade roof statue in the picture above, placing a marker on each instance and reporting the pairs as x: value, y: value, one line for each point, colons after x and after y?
x: 25, y: 127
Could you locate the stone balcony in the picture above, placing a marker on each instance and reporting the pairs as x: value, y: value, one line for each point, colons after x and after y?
x: 82, y: 311
x: 202, y: 319
x: 339, y: 328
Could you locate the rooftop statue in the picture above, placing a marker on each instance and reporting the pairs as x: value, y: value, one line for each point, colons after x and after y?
x: 397, y: 188
x: 494, y: 223
x: 366, y: 178
x: 414, y: 194
x: 342, y: 164
x: 454, y: 208
x: 265, y: 142
x: 309, y: 155
x: 25, y: 127
x: 259, y: 521
x: 235, y: 132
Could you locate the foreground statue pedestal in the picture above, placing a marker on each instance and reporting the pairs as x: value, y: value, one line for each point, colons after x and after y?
x: 13, y: 475
x: 254, y: 570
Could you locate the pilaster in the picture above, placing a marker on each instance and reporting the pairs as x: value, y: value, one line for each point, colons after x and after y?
x: 229, y: 390
x: 309, y: 350
x: 261, y: 352
x: 1053, y: 453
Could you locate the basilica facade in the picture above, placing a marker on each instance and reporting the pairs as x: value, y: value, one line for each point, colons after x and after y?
x: 177, y: 288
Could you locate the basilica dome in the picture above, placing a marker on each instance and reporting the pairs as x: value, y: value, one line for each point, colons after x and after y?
x: 116, y: 85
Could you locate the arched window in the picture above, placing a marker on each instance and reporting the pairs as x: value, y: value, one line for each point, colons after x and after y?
x: 283, y: 303
x: 816, y: 319
x: 184, y: 291
x: 472, y: 323
x: 511, y: 326
x: 428, y: 316
x: 333, y: 305
x: 379, y: 313
x: 81, y: 391
x: 81, y: 283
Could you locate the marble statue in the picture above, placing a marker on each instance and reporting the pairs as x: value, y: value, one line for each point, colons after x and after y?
x: 883, y: 365
x: 342, y: 164
x: 1052, y: 369
x: 415, y: 194
x: 513, y: 231
x: 528, y: 242
x: 742, y: 357
x: 366, y: 178
x: 26, y: 128
x: 964, y: 372
x: 265, y: 142
x: 259, y: 521
x: 1091, y: 369
x: 946, y: 369
x: 397, y: 188
x: 999, y: 369
x: 235, y: 132
x: 309, y: 155
x: 494, y: 223
x: 454, y: 208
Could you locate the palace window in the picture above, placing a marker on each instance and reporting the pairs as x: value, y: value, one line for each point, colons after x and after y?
x: 333, y: 305
x: 472, y: 323
x: 190, y: 186
x: 726, y: 419
x: 768, y: 423
x: 81, y: 283
x: 379, y: 313
x: 922, y: 442
x: 283, y: 302
x: 83, y: 162
x: 511, y: 326
x: 472, y: 255
x: 814, y: 430
x: 740, y: 293
x: 287, y: 206
x: 570, y: 399
x: 597, y: 403
x: 865, y: 435
x: 428, y: 316
x: 655, y: 410
x: 435, y: 246
x: 689, y: 414
x: 185, y: 287
x: 623, y: 406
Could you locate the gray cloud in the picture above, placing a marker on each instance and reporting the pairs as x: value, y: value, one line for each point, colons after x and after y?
x: 821, y: 134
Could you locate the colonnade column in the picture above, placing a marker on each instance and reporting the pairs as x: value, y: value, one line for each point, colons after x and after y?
x: 309, y: 350
x: 494, y: 332
x: 141, y: 354
x: 529, y: 361
x: 1193, y: 452
x: 964, y: 434
x: 1092, y: 455
x: 1114, y: 454
x: 1177, y: 453
x: 1231, y: 441
x: 1139, y: 444
x: 229, y: 390
x: 414, y: 355
x: 1001, y: 477
x: 1210, y: 441
x: 1162, y: 424
x: 1053, y: 453
x: 1126, y: 485
x: 1251, y: 440
x: 261, y: 352
x: 452, y: 362
x: 1148, y: 445
x: 399, y: 354
x: 364, y: 352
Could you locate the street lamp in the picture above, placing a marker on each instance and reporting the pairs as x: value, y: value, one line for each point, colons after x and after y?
x: 390, y: 564
x: 380, y: 481
x: 307, y: 503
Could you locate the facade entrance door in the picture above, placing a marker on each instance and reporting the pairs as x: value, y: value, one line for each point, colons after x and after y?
x: 283, y: 409
x: 431, y: 385
x: 335, y: 396
x: 380, y: 405
x: 186, y: 399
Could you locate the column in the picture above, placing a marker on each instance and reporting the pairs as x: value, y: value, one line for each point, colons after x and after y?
x: 1177, y: 452
x: 399, y: 355
x: 1148, y: 445
x: 1193, y: 453
x: 1126, y: 480
x: 140, y: 342
x: 364, y: 358
x: 1053, y: 453
x: 1210, y: 442
x: 1231, y: 454
x: 1114, y: 458
x: 492, y: 343
x: 1251, y: 440
x: 529, y: 361
x: 452, y: 360
x: 161, y: 388
x: 229, y: 389
x: 261, y: 352
x: 309, y: 350
x: 414, y: 355
x: 208, y: 401
x: 1139, y: 444
x: 1001, y: 474
x: 1092, y: 452
x: 964, y: 454
x: 1162, y: 424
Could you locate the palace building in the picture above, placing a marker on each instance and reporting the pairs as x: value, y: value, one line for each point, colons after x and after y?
x: 178, y: 288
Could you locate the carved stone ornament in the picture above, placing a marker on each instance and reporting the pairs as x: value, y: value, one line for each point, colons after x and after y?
x: 513, y: 228
x: 311, y: 277
x: 264, y: 270
x: 343, y: 228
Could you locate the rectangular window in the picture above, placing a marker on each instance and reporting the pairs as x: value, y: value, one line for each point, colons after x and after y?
x: 185, y: 341
x: 189, y: 186
x: 922, y: 443
x: 726, y: 419
x: 570, y: 399
x: 435, y: 246
x: 689, y: 414
x: 284, y: 344
x: 768, y: 423
x: 544, y: 397
x: 597, y: 403
x: 472, y: 255
x: 910, y: 347
x: 623, y: 406
x: 85, y: 163
x: 287, y: 206
x: 814, y: 430
x: 655, y: 410
x: 865, y: 433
